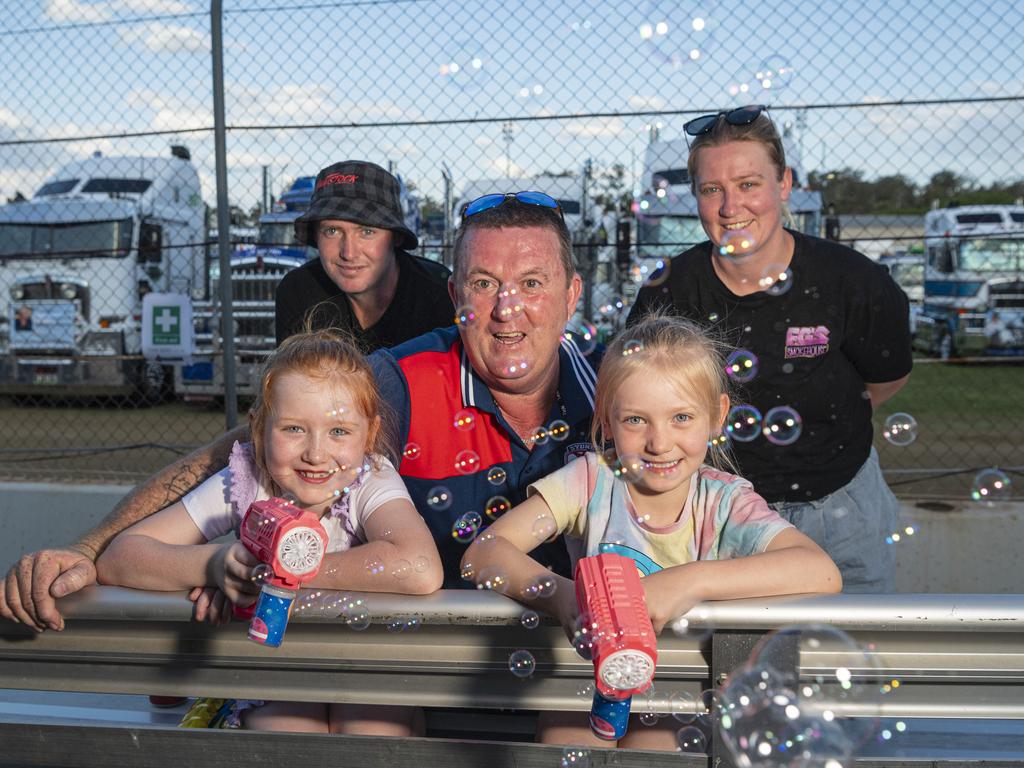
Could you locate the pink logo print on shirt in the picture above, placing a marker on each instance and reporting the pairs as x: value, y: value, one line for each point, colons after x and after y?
x: 806, y: 341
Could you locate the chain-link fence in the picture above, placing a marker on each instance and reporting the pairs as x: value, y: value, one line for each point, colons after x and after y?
x: 107, y: 159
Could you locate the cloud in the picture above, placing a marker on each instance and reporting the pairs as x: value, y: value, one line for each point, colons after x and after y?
x: 604, y: 127
x: 159, y: 37
x: 8, y: 119
x: 78, y: 11
x: 153, y: 7
x: 75, y: 11
x: 636, y: 101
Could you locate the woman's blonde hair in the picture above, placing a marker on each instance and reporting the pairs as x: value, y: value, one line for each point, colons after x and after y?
x: 325, y: 354
x: 678, y: 349
x: 762, y: 131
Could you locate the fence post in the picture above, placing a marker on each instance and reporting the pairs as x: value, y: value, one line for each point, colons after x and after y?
x: 223, y: 216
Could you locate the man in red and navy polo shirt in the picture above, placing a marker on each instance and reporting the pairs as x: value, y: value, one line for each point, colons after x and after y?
x: 461, y: 454
x: 502, y: 399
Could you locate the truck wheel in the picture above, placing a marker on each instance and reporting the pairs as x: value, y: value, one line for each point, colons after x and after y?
x: 154, y: 384
x: 944, y: 347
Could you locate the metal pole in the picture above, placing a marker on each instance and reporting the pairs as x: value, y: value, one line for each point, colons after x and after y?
x: 449, y: 215
x: 223, y: 216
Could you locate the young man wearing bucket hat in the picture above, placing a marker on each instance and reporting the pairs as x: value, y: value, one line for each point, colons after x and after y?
x: 365, y: 280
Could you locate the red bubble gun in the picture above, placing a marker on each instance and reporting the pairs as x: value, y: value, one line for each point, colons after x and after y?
x: 288, y: 539
x: 292, y: 542
x: 624, y: 649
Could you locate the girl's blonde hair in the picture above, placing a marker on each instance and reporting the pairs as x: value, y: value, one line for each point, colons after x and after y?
x: 322, y: 355
x: 678, y: 349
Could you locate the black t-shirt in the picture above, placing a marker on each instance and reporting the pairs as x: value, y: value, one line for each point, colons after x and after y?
x: 842, y: 322
x: 421, y: 303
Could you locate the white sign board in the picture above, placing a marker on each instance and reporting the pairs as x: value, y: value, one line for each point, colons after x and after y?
x: 167, y: 333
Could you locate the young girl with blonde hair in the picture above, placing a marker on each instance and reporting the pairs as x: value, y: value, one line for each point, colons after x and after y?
x: 695, y: 531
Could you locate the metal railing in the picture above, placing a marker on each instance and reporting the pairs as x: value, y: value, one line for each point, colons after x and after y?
x: 954, y: 657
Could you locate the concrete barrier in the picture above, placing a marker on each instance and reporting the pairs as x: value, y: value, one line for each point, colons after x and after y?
x: 954, y: 548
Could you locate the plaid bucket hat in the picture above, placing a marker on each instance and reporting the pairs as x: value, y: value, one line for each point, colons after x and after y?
x: 360, y: 192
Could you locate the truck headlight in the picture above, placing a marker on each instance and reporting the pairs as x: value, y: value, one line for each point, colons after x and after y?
x: 17, y: 292
x: 68, y: 291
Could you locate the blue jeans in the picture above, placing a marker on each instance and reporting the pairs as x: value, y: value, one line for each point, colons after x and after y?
x: 851, y: 525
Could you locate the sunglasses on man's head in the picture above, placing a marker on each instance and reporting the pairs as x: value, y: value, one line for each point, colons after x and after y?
x: 740, y: 116
x: 487, y: 202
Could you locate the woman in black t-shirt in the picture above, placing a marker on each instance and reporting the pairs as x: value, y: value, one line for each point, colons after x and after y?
x: 822, y: 338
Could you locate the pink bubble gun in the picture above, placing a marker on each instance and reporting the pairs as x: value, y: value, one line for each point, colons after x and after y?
x: 293, y: 543
x: 624, y: 646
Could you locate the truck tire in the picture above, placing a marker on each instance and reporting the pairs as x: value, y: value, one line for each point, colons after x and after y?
x: 154, y: 383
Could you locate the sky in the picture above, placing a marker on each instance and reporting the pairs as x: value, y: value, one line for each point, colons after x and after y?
x: 487, y: 88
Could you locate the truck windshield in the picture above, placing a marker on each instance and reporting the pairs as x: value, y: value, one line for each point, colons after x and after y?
x: 661, y: 237
x: 100, y: 238
x: 277, y: 233
x: 991, y: 255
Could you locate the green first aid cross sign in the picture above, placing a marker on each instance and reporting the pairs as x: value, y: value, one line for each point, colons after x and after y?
x: 167, y: 325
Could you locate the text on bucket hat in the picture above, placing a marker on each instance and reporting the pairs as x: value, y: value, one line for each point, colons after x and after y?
x: 357, y: 191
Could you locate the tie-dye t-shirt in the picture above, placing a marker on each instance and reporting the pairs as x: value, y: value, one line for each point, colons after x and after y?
x: 723, y: 517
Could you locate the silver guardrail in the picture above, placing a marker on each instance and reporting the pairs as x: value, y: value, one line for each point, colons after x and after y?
x: 953, y: 655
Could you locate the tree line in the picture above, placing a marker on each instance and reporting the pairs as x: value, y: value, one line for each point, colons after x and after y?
x: 851, y: 193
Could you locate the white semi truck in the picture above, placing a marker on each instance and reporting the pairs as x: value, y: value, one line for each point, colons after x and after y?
x: 75, y: 263
x: 973, y: 282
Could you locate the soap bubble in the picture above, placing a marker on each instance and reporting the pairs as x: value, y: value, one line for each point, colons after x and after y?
x: 558, y: 430
x: 530, y: 619
x: 542, y: 586
x: 464, y: 315
x: 782, y: 425
x: 411, y: 451
x: 464, y: 420
x: 584, y: 334
x: 649, y: 718
x: 692, y: 740
x: 991, y: 485
x: 261, y: 574
x: 741, y: 366
x: 402, y: 569
x: 522, y: 663
x: 439, y: 498
x: 627, y: 467
x: 575, y: 757
x: 497, y: 506
x: 496, y: 475
x: 736, y: 242
x: 775, y: 280
x: 792, y: 702
x: 467, y: 462
x: 743, y: 423
x: 374, y: 566
x: 632, y: 347
x: 544, y: 527
x: 466, y: 526
x: 900, y: 429
x: 659, y: 274
x: 538, y: 436
x: 493, y: 579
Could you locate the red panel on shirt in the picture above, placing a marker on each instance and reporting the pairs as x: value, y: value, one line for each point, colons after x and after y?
x: 434, y: 401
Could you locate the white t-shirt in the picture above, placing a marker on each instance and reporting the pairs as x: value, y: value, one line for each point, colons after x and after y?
x: 215, y: 512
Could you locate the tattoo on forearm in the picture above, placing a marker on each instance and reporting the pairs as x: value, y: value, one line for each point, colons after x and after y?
x: 184, y: 479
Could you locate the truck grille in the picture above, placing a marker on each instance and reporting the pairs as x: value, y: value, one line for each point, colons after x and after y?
x: 1007, y: 295
x: 255, y: 284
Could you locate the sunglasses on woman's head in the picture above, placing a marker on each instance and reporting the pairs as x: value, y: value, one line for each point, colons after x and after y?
x: 739, y: 116
x: 487, y: 202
